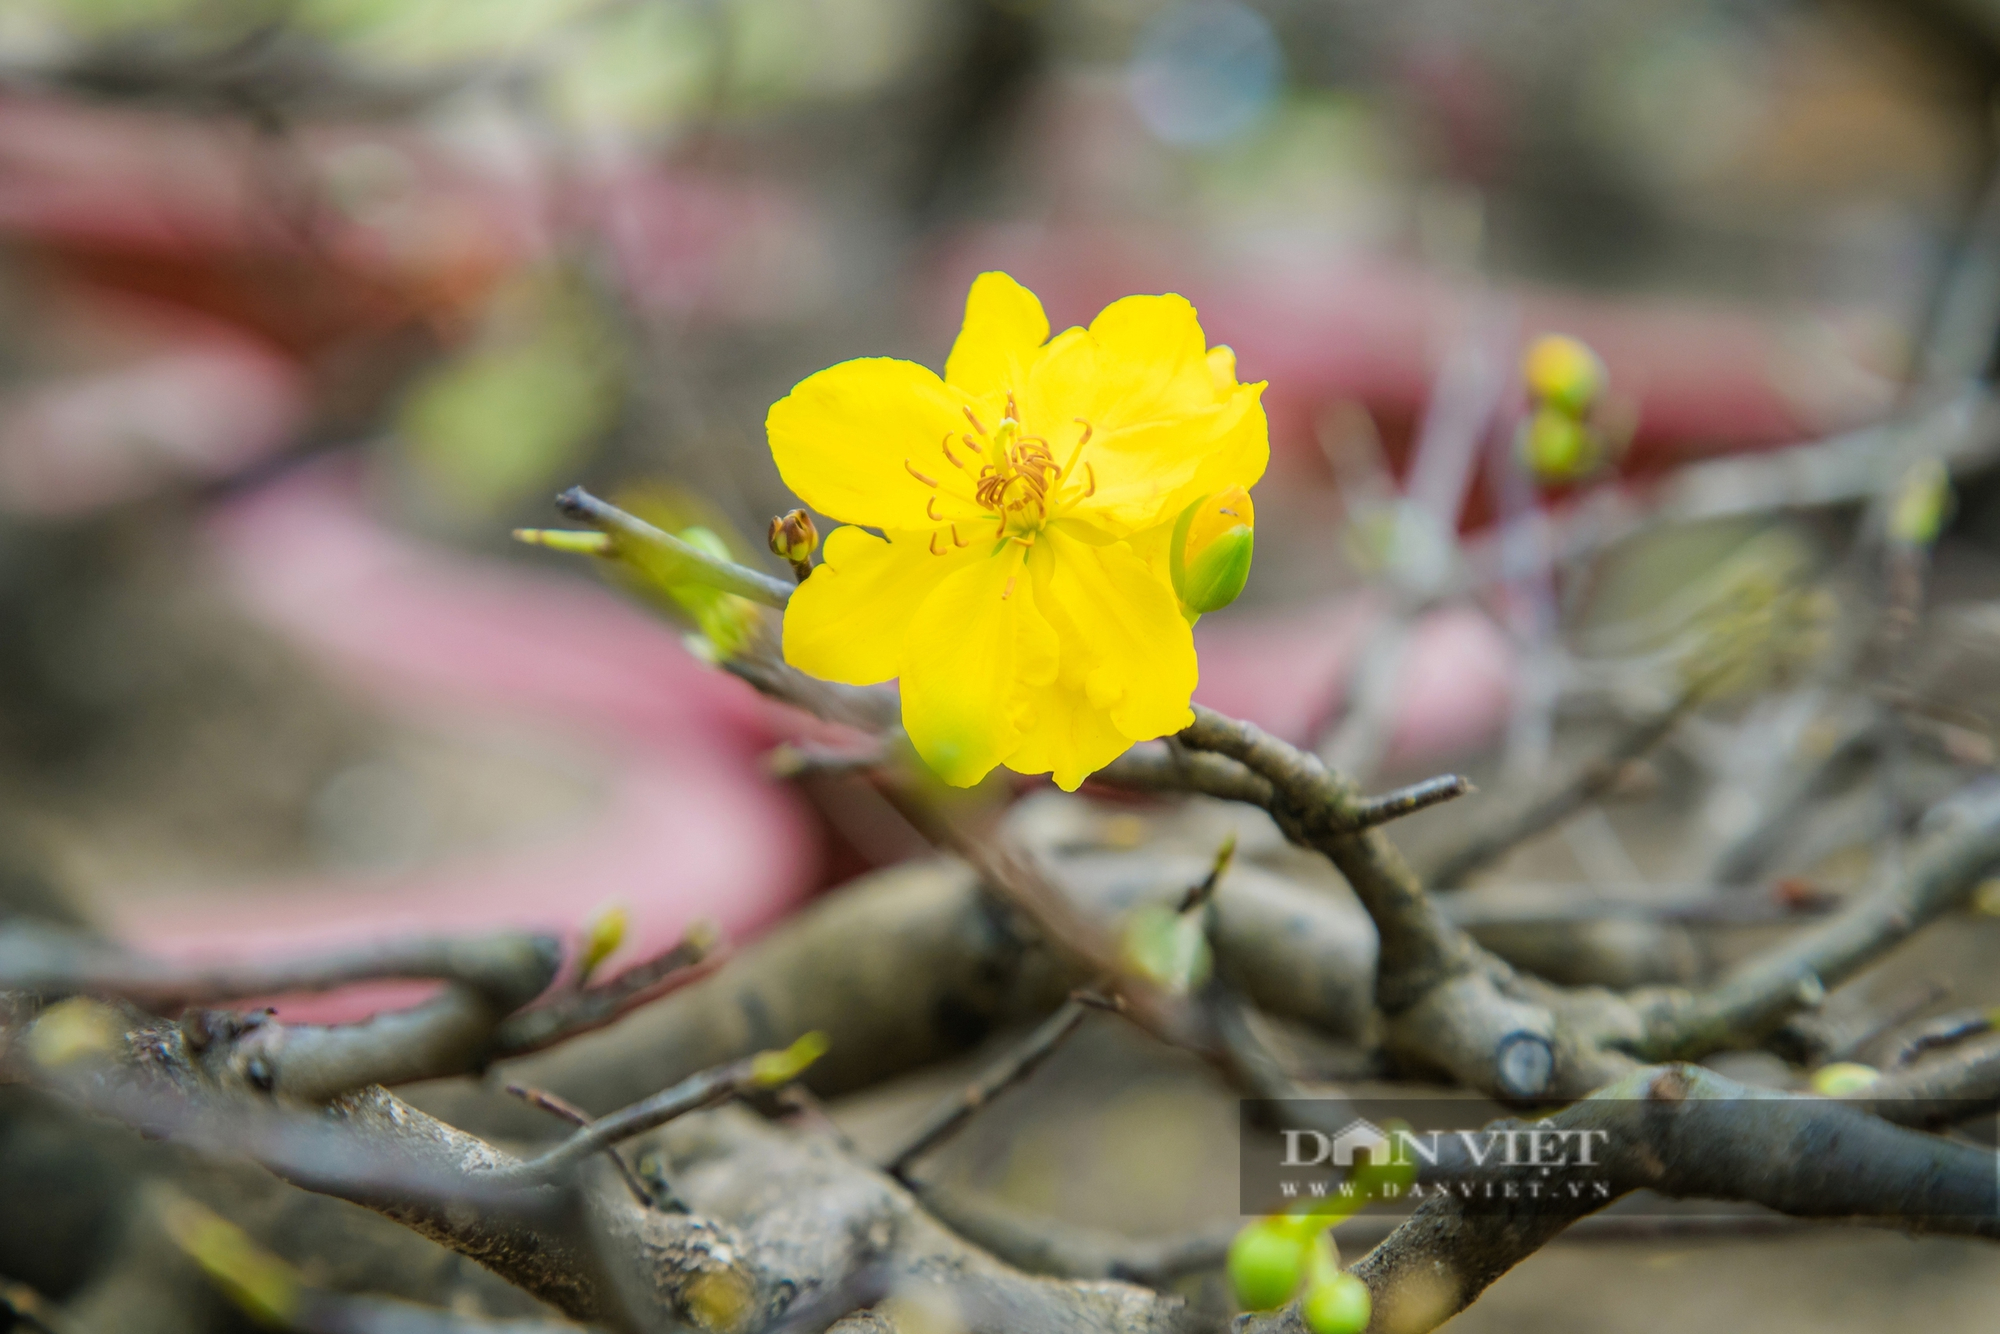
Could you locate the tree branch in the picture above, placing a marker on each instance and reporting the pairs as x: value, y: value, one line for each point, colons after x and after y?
x: 1686, y: 1133
x: 1797, y: 974
x: 1592, y: 781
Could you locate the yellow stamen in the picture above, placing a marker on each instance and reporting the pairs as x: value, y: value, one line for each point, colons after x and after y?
x: 927, y: 481
x: 945, y: 445
x: 1069, y: 468
x: 956, y: 540
x: 975, y: 422
x: 934, y: 545
x: 930, y: 510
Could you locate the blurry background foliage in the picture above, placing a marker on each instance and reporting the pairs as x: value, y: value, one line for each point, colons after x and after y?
x: 509, y: 416
x: 633, y: 64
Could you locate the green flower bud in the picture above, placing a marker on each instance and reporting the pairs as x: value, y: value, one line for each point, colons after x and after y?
x: 1266, y: 1262
x: 1556, y: 447
x: 1339, y: 1305
x: 1213, y: 541
x: 1563, y: 374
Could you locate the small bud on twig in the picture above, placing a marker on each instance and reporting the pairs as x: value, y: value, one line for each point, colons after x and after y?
x: 1563, y: 374
x: 1556, y: 447
x: 768, y: 1069
x: 793, y: 538
x: 602, y: 934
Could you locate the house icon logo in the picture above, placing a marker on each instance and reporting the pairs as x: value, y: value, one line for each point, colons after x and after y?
x: 1360, y: 1135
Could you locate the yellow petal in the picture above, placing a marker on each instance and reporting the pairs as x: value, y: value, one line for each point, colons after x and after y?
x: 847, y: 622
x: 1142, y: 360
x: 1066, y: 737
x: 1004, y: 328
x: 1150, y: 472
x: 1222, y: 368
x: 862, y: 442
x: 1168, y: 421
x: 1152, y: 360
x: 1128, y: 663
x: 1239, y: 455
x: 975, y: 649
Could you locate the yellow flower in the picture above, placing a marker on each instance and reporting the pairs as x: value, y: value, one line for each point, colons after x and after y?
x: 1020, y: 588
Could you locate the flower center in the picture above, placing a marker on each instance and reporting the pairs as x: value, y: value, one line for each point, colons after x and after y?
x: 1019, y: 472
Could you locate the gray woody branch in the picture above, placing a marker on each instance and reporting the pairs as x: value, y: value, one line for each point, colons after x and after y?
x: 1685, y: 1133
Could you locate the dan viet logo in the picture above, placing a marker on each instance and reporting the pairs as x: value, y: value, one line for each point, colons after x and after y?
x: 1364, y: 1162
x: 1403, y: 1147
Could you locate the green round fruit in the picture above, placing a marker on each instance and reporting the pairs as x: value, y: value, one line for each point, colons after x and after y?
x: 1563, y: 373
x: 1556, y: 447
x: 1265, y: 1265
x: 1340, y: 1304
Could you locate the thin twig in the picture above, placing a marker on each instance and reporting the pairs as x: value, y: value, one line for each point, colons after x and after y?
x: 576, y: 1116
x: 1941, y: 1091
x: 694, y: 956
x: 1572, y: 795
x: 953, y: 1112
x: 790, y: 759
x: 1409, y: 800
x: 55, y: 961
x: 1157, y: 766
x: 1200, y: 893
x: 703, y: 1089
x: 700, y: 567
x: 1944, y: 1031
x: 1796, y: 975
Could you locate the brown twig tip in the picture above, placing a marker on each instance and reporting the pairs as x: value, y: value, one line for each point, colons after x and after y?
x: 1409, y: 800
x: 578, y: 503
x: 1198, y: 895
x: 550, y: 1103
